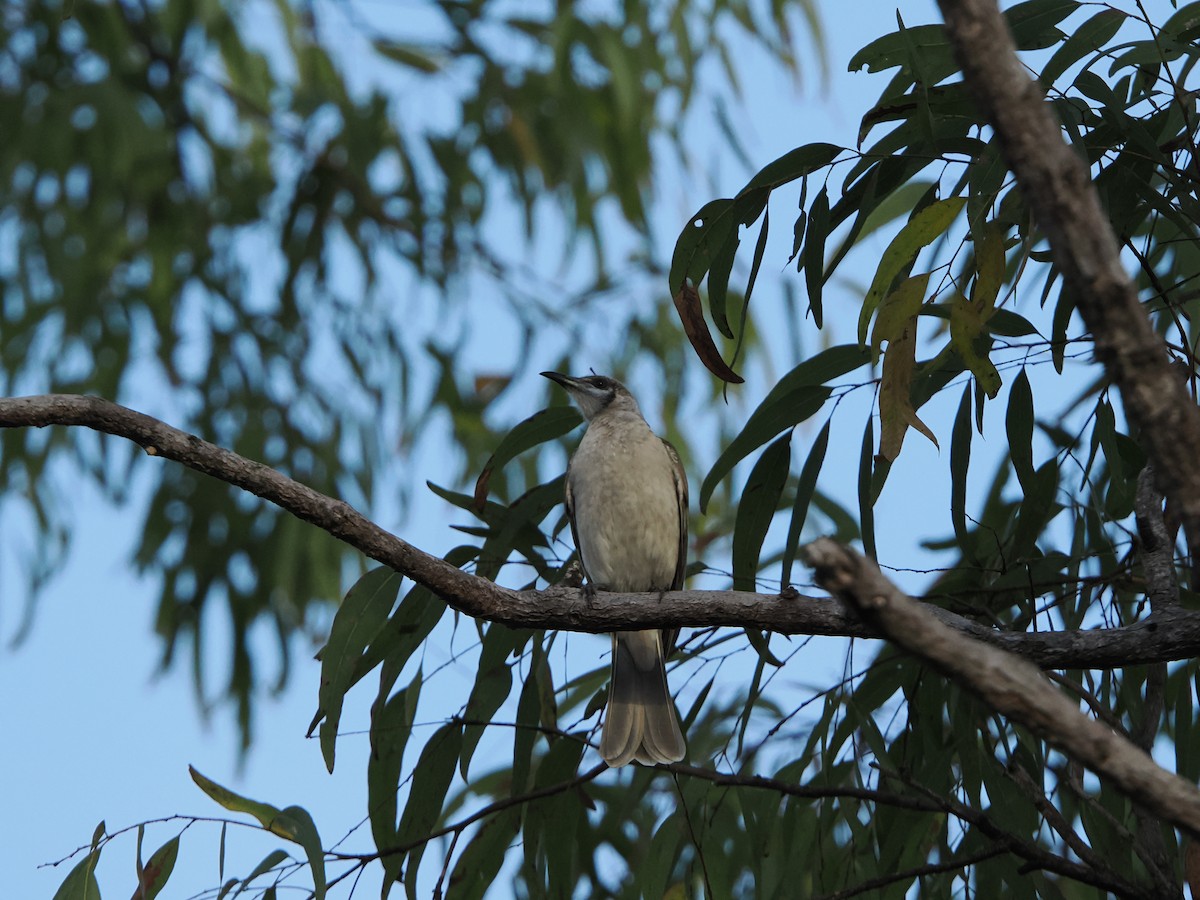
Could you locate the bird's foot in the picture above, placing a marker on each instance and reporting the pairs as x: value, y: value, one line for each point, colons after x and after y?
x: 589, y: 594
x: 572, y: 575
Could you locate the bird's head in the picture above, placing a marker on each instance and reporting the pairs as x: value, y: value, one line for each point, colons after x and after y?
x: 594, y: 394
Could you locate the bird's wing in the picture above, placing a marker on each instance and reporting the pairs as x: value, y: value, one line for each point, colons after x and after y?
x: 681, y: 500
x: 570, y: 501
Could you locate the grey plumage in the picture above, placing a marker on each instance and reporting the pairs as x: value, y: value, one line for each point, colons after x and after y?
x: 627, y: 500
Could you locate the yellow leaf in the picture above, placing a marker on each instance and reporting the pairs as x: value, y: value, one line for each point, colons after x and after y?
x: 896, y: 411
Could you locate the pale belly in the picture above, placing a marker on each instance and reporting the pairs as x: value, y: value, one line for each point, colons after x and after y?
x: 627, y: 520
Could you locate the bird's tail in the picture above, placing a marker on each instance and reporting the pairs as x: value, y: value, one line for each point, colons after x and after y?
x: 640, y: 723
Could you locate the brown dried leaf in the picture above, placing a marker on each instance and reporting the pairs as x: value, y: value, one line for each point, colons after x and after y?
x: 691, y: 314
x: 896, y: 411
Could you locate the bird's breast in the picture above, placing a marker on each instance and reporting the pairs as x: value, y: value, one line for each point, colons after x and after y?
x: 626, y: 510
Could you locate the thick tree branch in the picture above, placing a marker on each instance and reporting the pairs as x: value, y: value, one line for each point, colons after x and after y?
x: 1009, y: 685
x: 1067, y: 208
x: 1172, y: 635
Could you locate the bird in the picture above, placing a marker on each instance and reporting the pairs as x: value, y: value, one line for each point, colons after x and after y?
x: 627, y: 502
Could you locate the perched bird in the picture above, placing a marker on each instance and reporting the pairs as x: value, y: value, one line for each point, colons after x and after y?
x: 627, y: 500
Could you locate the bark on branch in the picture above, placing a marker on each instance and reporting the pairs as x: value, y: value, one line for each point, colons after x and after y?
x: 1009, y: 685
x: 1175, y: 634
x: 1066, y: 206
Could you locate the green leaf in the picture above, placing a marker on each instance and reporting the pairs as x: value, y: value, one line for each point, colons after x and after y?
x: 989, y: 265
x: 1019, y: 426
x: 896, y: 49
x: 898, y: 203
x: 920, y: 231
x: 898, y: 309
x: 756, y: 509
x: 759, y: 248
x: 960, y: 460
x: 896, y: 411
x: 1037, y: 509
x: 814, y: 253
x: 295, y: 824
x: 1084, y: 39
x: 969, y: 338
x: 1033, y: 22
x: 866, y: 503
x: 765, y: 424
x: 264, y: 812
x: 1058, y: 330
x: 152, y: 877
x: 493, y: 682
x: 430, y: 782
x: 80, y: 883
x: 358, y: 621
x: 792, y: 165
x: 266, y: 864
x: 391, y: 725
x: 708, y: 233
x: 477, y: 867
x: 805, y: 485
x: 796, y: 397
x: 547, y: 425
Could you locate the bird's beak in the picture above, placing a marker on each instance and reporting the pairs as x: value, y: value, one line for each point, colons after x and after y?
x: 571, y: 384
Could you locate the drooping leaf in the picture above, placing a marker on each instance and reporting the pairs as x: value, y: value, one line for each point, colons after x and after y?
x: 967, y: 334
x: 476, y: 869
x: 1038, y: 507
x: 896, y: 411
x: 391, y: 725
x: 81, y: 883
x: 152, y: 877
x: 765, y: 424
x: 687, y: 304
x: 493, y: 682
x: 866, y: 503
x: 295, y: 824
x: 266, y: 864
x: 755, y: 262
x: 264, y: 812
x: 796, y: 397
x: 1085, y: 38
x: 431, y: 780
x: 989, y: 266
x: 805, y: 485
x: 814, y: 254
x: 358, y: 621
x: 897, y: 311
x: 756, y: 509
x: 920, y: 231
x: 1019, y: 426
x: 546, y: 425
x: 960, y: 459
x: 792, y: 165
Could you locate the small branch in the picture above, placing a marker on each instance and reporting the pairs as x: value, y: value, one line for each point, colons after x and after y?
x: 1035, y: 854
x: 953, y: 865
x: 926, y: 800
x: 1171, y: 635
x: 455, y: 828
x: 1010, y: 685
